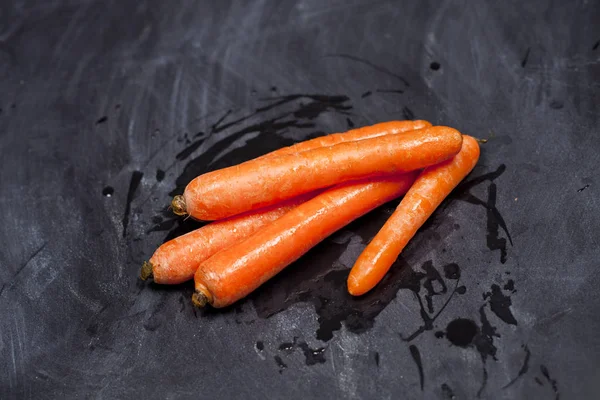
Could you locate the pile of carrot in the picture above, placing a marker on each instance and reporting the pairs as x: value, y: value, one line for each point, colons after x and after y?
x: 271, y: 210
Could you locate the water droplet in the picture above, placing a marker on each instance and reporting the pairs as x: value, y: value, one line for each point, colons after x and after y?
x: 108, y: 191
x: 461, y: 332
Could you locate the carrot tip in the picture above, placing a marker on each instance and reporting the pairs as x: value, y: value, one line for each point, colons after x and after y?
x: 178, y: 205
x: 146, y: 271
x: 199, y: 299
x: 353, y: 287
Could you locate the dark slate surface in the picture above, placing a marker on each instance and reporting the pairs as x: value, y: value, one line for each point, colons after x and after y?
x: 107, y: 109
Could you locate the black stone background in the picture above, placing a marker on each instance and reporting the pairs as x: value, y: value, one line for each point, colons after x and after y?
x: 108, y: 108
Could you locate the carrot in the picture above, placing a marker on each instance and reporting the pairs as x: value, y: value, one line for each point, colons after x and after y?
x: 432, y: 186
x: 365, y: 132
x: 259, y: 183
x: 234, y: 273
x: 176, y: 261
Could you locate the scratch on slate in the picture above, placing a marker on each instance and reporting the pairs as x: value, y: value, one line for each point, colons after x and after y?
x: 370, y: 64
x: 25, y: 264
x: 546, y: 322
x: 136, y: 178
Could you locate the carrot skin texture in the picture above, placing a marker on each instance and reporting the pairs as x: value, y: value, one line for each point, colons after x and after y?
x: 365, y: 132
x: 178, y: 204
x: 177, y: 260
x: 432, y: 186
x: 259, y: 183
x: 232, y: 274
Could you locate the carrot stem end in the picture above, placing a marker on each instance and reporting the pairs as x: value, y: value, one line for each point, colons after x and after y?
x: 199, y: 299
x: 178, y: 205
x: 146, y: 271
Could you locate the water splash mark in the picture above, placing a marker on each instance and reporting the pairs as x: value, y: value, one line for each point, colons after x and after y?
x: 215, y: 127
x: 500, y: 304
x: 319, y: 279
x: 465, y: 333
x: 311, y: 356
x: 282, y: 366
x: 509, y: 286
x: 495, y: 220
x: 408, y: 114
x: 484, y: 343
x: 538, y: 381
x: 292, y: 111
x: 553, y: 383
x: 556, y: 105
x: 460, y: 332
x: 523, y: 370
x: 393, y: 91
x: 301, y: 116
x: 583, y: 188
x: 134, y: 183
x: 416, y: 356
x: 526, y: 58
x: 432, y: 275
x: 108, y: 191
x: 189, y: 150
x: 447, y: 392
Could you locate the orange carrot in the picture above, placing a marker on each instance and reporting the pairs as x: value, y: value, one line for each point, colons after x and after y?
x: 233, y: 273
x: 177, y: 260
x: 432, y: 186
x: 365, y: 132
x: 259, y: 183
